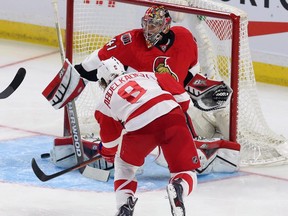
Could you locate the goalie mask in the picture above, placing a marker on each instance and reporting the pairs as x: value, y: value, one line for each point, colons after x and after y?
x: 109, y: 70
x: 155, y: 23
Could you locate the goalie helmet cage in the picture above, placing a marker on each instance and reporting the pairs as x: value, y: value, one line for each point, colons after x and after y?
x: 221, y: 33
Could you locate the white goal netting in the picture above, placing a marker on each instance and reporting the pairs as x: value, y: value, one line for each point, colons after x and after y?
x: 220, y: 53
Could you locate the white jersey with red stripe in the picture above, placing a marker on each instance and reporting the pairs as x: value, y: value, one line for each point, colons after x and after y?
x: 133, y: 100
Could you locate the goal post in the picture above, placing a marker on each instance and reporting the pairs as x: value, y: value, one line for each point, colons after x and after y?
x: 222, y: 38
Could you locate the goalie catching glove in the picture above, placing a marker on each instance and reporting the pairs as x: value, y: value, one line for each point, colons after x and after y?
x: 66, y: 86
x: 208, y: 94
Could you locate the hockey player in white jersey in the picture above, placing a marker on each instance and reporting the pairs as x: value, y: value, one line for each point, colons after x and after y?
x: 150, y: 108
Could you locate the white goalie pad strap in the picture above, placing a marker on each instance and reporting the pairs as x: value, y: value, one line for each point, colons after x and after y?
x: 208, y: 94
x: 65, y: 86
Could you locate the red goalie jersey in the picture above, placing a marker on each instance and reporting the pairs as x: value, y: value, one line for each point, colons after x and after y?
x: 176, y: 57
x: 133, y: 100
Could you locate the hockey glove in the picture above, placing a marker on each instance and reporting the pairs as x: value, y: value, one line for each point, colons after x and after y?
x: 65, y: 87
x: 107, y: 153
x: 221, y: 95
x: 208, y: 94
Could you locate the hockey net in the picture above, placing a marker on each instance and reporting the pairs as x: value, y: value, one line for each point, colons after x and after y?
x: 221, y: 33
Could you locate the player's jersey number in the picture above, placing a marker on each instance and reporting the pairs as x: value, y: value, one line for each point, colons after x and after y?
x: 131, y: 91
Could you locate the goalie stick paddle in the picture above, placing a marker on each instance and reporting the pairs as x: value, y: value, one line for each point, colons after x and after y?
x: 19, y: 77
x: 43, y: 177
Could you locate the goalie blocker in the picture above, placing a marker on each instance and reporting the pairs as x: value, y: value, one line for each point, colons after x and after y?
x: 66, y: 86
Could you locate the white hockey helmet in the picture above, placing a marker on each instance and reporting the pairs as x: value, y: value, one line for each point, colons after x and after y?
x: 155, y: 22
x: 109, y: 70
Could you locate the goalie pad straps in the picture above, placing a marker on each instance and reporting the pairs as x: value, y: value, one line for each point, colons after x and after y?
x: 208, y: 94
x: 65, y: 86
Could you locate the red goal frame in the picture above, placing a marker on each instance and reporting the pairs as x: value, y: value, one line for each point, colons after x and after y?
x: 186, y: 9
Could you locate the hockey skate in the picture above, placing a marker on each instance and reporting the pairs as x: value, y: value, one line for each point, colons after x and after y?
x: 127, y: 209
x: 175, y: 192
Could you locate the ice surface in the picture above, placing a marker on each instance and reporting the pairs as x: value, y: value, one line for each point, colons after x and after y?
x: 28, y: 124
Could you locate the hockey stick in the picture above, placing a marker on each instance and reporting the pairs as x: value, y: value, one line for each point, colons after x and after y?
x: 43, y: 177
x: 87, y: 171
x: 105, y: 166
x: 16, y: 82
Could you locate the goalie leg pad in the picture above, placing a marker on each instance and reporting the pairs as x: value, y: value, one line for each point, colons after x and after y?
x: 63, y: 156
x: 63, y: 153
x: 227, y: 160
x: 206, y: 162
x: 203, y: 127
x: 217, y: 155
x: 222, y: 118
x: 160, y: 159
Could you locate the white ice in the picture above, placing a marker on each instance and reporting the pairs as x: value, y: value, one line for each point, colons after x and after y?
x: 260, y: 192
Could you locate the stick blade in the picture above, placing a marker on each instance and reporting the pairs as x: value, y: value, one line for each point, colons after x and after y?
x: 21, y: 73
x: 37, y: 171
x: 19, y: 77
x: 96, y: 174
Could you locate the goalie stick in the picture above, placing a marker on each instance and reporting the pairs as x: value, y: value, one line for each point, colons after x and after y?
x: 43, y: 177
x: 87, y: 171
x: 16, y: 82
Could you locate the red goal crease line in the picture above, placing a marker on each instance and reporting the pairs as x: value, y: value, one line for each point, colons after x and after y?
x: 29, y: 59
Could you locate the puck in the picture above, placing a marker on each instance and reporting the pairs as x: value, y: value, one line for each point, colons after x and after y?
x: 45, y: 155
